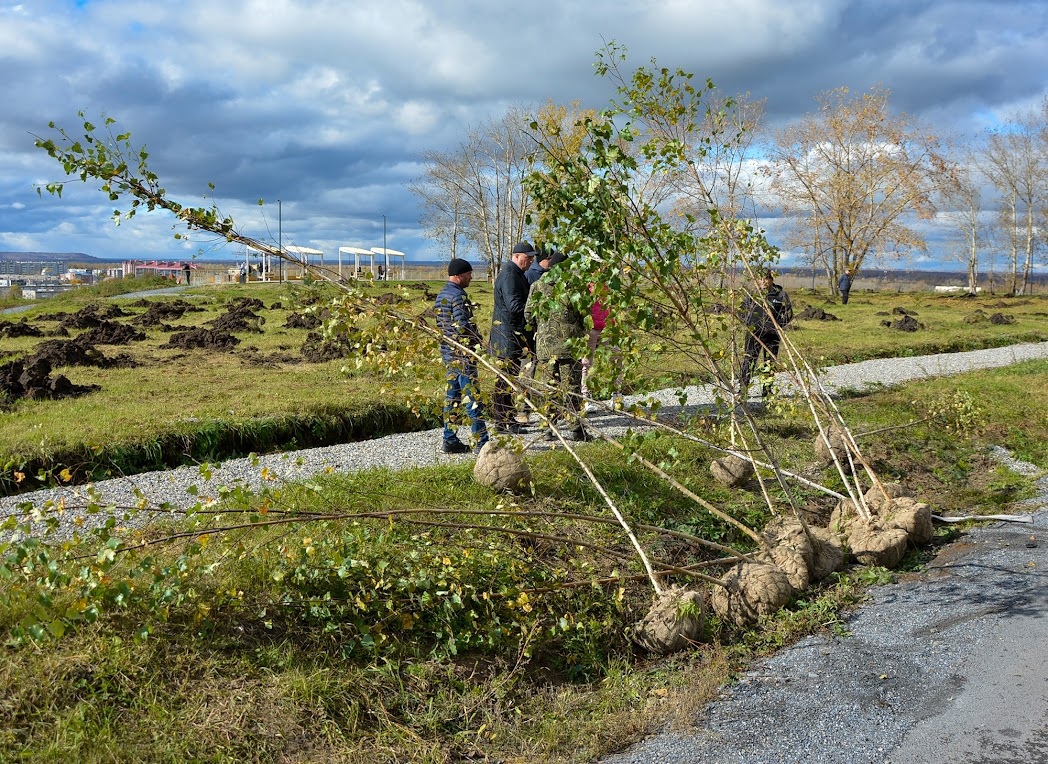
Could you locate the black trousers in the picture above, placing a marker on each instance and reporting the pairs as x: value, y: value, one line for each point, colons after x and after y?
x: 502, y: 408
x: 755, y: 343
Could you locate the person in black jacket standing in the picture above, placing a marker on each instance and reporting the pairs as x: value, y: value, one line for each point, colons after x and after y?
x: 509, y: 336
x: 765, y: 313
x: 455, y: 319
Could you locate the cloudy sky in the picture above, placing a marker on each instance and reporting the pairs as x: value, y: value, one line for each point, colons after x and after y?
x: 327, y: 105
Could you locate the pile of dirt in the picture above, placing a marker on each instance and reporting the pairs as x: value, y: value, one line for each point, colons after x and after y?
x: 999, y: 319
x: 811, y: 313
x: 111, y: 333
x: 318, y: 349
x: 19, y: 329
x: 77, y: 352
x: 91, y: 316
x: 19, y: 379
x: 158, y: 313
x: 302, y: 321
x: 905, y: 324
x: 240, y: 316
x: 207, y: 339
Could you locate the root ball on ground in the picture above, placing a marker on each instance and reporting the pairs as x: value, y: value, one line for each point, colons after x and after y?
x: 790, y: 549
x: 873, y: 545
x: 675, y: 621
x: 750, y: 590
x: 732, y: 471
x: 828, y: 553
x: 502, y: 469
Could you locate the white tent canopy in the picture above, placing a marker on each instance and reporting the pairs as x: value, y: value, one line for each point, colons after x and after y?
x: 391, y: 254
x: 358, y: 254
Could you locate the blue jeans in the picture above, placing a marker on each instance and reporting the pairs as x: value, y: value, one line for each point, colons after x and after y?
x: 461, y: 387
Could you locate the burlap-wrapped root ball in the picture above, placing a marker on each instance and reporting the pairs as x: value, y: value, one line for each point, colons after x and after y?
x: 790, y: 549
x: 873, y: 545
x: 842, y: 516
x: 877, y: 500
x: 675, y: 621
x: 838, y: 444
x: 912, y: 516
x: 827, y: 553
x: 750, y: 590
x: 732, y: 471
x: 502, y: 469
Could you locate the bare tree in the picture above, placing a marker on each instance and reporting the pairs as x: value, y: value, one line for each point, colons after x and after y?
x: 851, y: 176
x: 1015, y: 161
x: 961, y: 191
x: 474, y: 193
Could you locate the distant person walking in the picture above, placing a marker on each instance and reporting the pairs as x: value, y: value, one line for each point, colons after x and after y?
x: 455, y: 319
x: 765, y: 312
x: 509, y: 335
x: 844, y: 283
x: 557, y: 325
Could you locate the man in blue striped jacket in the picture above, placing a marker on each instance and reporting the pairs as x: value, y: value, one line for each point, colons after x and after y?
x: 455, y: 319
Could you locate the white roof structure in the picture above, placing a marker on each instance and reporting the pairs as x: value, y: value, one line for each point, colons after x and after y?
x: 357, y: 253
x: 391, y: 254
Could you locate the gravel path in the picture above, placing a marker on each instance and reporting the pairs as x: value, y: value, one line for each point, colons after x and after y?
x: 422, y: 448
x: 945, y: 666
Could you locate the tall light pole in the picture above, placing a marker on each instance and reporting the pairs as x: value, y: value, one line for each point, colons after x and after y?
x: 280, y: 240
x: 385, y: 255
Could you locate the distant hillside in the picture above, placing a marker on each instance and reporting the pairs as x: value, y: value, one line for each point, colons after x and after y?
x: 49, y: 257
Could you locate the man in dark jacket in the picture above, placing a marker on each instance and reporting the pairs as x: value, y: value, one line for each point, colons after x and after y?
x: 509, y: 336
x: 765, y: 313
x: 844, y: 284
x: 540, y: 267
x: 455, y: 319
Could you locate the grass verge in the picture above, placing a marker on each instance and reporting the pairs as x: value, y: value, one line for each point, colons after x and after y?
x: 384, y: 618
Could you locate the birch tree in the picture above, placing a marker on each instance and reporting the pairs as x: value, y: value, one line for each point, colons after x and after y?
x: 1016, y: 163
x: 852, y: 177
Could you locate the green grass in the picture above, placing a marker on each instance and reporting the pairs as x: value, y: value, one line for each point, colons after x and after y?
x: 185, y: 406
x: 374, y: 639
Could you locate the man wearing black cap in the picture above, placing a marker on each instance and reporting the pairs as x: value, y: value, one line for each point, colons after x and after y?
x: 509, y: 335
x: 540, y: 267
x: 455, y: 319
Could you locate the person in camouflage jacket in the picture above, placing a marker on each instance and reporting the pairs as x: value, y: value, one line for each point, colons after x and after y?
x: 557, y: 324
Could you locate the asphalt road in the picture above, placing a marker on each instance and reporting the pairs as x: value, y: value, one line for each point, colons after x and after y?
x: 945, y: 666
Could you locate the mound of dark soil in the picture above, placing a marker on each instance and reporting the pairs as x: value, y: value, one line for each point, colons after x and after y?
x: 91, y: 316
x: 240, y: 316
x: 302, y: 321
x: 903, y: 312
x: 19, y: 379
x: 1001, y: 319
x: 207, y: 339
x: 111, y: 333
x: 317, y: 348
x: 246, y: 303
x: 811, y: 313
x: 159, y: 312
x: 904, y: 324
x: 19, y: 329
x: 77, y: 353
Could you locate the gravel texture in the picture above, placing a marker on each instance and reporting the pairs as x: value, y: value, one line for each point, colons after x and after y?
x: 944, y: 666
